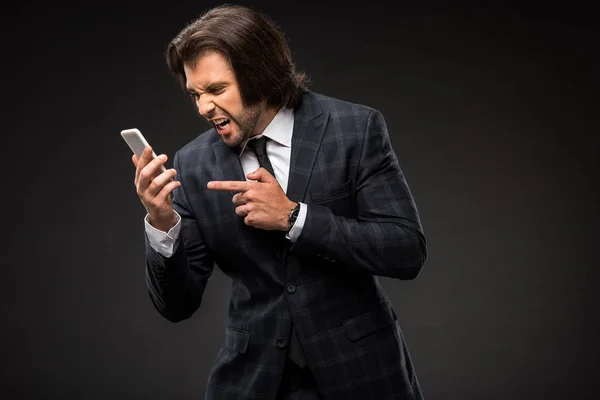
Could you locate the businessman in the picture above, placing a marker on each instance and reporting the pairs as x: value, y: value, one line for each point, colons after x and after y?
x: 299, y: 199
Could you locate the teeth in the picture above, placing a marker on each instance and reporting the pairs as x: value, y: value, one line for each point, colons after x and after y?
x: 219, y: 121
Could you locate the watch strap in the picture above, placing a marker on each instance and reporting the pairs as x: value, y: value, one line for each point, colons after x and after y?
x: 292, y: 216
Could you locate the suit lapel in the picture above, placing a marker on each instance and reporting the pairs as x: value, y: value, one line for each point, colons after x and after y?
x: 228, y: 166
x: 309, y: 127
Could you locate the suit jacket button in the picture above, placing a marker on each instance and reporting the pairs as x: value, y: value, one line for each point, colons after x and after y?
x: 291, y: 288
x: 281, y: 343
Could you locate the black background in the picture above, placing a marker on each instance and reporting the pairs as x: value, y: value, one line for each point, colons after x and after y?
x: 492, y: 111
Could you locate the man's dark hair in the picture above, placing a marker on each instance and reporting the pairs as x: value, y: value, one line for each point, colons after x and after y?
x: 255, y: 48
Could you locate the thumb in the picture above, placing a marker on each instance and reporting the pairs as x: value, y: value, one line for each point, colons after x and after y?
x: 261, y: 175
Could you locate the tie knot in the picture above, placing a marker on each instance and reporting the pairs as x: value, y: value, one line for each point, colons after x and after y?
x: 259, y: 146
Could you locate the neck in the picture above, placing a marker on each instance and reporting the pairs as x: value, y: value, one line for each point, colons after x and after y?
x: 264, y: 120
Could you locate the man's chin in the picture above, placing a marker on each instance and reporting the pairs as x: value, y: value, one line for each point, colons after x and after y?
x: 232, y: 140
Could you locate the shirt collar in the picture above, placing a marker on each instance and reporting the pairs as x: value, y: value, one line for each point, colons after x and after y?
x: 279, y: 129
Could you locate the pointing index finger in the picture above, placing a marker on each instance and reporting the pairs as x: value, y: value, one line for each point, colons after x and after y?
x: 235, y: 186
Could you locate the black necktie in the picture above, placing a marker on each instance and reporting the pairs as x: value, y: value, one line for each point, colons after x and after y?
x: 259, y: 146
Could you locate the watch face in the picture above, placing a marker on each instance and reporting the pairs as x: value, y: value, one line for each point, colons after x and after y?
x: 293, y: 216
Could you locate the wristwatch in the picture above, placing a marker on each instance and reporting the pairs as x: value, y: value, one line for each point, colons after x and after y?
x: 292, y: 216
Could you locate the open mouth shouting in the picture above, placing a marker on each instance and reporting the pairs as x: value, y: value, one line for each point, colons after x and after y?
x: 222, y: 125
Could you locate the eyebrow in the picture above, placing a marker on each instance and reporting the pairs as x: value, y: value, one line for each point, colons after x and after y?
x: 210, y: 88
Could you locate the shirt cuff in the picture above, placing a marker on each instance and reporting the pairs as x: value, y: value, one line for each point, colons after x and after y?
x: 163, y: 243
x: 296, y: 230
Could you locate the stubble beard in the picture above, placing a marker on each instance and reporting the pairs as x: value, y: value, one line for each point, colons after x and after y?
x: 246, y: 122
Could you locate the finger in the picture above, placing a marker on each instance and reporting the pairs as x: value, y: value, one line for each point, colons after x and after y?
x: 166, y: 190
x: 158, y: 162
x: 254, y: 175
x: 146, y: 156
x: 142, y: 161
x: 239, y: 199
x: 234, y: 186
x: 150, y: 171
x: 261, y: 175
x: 242, y: 211
x: 161, y: 180
x: 135, y: 160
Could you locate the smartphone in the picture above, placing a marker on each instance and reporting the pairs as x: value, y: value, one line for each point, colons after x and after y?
x: 137, y: 143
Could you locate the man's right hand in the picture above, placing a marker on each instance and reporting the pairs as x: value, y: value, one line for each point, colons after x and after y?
x: 154, y: 189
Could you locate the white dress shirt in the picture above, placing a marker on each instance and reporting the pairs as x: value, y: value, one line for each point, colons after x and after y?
x: 279, y: 150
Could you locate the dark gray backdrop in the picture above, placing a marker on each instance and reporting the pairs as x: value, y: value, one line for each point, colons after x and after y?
x: 493, y: 114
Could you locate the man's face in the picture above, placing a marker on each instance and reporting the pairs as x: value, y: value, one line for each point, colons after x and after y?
x: 213, y: 86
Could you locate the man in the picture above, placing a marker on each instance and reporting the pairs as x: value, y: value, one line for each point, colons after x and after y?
x: 300, y: 200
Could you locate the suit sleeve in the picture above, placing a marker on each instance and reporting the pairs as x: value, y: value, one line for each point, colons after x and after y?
x: 386, y: 237
x: 176, y: 284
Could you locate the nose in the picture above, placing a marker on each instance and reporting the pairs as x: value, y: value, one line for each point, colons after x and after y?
x: 205, y: 105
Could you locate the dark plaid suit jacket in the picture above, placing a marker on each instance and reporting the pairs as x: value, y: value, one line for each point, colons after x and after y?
x: 361, y: 223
